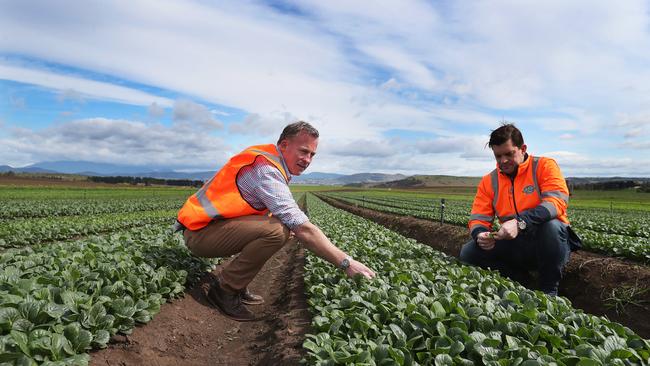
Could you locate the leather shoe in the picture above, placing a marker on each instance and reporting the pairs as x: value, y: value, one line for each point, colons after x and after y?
x: 250, y: 298
x: 229, y: 303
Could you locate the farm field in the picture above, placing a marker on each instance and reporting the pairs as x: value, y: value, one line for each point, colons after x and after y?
x: 619, y: 232
x: 81, y: 268
x: 426, y: 308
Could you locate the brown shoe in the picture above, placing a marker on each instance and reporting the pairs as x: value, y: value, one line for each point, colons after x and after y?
x: 229, y: 303
x: 250, y: 298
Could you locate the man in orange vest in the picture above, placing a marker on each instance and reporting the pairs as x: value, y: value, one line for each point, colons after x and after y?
x: 230, y: 215
x: 529, y: 197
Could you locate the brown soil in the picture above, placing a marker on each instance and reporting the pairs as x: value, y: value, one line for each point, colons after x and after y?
x: 189, y: 331
x: 591, y: 280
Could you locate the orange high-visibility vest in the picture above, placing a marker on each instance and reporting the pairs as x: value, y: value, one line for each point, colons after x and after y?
x: 219, y: 198
x: 538, y: 182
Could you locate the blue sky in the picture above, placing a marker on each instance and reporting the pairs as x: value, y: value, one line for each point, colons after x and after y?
x: 410, y: 87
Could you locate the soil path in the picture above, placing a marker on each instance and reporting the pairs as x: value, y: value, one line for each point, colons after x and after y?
x: 189, y: 331
x: 598, y: 284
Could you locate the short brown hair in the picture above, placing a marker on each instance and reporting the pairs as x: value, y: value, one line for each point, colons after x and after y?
x: 295, y: 128
x: 506, y: 132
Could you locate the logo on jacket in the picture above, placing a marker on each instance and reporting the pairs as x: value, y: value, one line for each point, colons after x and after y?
x: 529, y: 189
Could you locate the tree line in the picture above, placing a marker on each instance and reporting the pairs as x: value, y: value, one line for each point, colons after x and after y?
x: 147, y: 181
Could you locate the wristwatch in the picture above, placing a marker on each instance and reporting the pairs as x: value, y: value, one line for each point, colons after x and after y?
x: 521, y: 224
x: 345, y: 263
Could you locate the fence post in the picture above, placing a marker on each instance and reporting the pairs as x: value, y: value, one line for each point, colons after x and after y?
x: 442, y: 211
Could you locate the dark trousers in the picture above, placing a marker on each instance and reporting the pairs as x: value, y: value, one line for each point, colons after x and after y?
x: 545, y: 248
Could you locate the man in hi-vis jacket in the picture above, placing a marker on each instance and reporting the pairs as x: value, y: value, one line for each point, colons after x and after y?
x: 529, y: 197
x: 230, y: 215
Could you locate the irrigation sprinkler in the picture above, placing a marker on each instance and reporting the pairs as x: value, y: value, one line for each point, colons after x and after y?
x: 442, y: 211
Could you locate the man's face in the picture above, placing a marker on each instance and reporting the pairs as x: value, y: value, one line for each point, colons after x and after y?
x: 509, y: 156
x: 298, y: 152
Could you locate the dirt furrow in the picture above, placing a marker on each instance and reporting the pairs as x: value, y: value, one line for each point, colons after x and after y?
x: 189, y: 331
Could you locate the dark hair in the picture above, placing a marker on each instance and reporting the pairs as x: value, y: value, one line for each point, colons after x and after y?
x: 506, y: 132
x: 295, y: 128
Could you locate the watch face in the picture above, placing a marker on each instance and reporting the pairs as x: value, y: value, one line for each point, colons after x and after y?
x: 345, y: 263
x: 521, y: 224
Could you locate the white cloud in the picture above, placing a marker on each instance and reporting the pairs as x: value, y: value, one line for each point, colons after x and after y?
x: 155, y: 110
x: 634, y: 122
x: 391, y: 84
x: 361, y: 148
x: 83, y: 87
x: 411, y: 70
x: 219, y: 113
x: 71, y: 95
x: 579, y: 165
x: 187, y: 112
x: 269, y: 126
x: 115, y: 141
x: 356, y: 71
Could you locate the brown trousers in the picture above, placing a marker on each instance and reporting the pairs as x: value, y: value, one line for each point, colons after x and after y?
x: 256, y: 238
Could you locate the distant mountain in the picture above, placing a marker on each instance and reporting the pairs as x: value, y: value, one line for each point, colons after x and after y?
x: 590, y: 180
x: 104, y: 170
x: 91, y: 168
x: 422, y: 181
x: 317, y: 178
x: 28, y: 169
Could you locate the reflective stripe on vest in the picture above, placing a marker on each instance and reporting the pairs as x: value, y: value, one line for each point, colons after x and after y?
x: 220, y: 197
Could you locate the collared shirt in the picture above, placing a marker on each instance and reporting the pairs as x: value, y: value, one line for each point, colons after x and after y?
x: 262, y: 185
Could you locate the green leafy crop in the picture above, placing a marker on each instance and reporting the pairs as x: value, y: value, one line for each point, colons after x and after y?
x: 425, y: 308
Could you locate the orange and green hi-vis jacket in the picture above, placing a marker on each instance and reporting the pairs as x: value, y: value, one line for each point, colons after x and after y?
x: 538, y: 182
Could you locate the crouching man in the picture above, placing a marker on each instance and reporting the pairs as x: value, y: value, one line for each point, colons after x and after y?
x: 529, y: 197
x: 230, y: 215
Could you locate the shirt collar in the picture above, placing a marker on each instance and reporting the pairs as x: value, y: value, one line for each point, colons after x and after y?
x: 284, y: 164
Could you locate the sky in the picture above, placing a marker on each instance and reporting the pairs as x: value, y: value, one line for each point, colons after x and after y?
x: 410, y: 87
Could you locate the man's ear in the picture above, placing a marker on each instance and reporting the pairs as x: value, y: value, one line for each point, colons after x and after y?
x: 283, y: 144
x: 523, y: 148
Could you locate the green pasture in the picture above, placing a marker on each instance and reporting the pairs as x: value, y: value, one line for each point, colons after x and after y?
x: 615, y: 200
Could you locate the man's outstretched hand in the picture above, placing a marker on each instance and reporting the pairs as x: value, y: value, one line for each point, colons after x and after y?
x: 358, y: 268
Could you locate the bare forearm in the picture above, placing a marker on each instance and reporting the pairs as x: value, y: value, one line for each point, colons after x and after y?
x: 314, y: 240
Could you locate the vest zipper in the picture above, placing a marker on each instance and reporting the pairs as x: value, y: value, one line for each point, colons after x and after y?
x: 512, y: 191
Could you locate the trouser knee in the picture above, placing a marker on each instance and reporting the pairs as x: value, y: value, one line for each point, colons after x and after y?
x: 277, y: 234
x: 552, y: 236
x: 552, y: 228
x: 468, y: 253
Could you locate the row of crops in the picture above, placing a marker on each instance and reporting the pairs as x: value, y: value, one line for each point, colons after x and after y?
x: 72, y: 278
x: 425, y: 308
x: 616, y: 232
x: 59, y: 300
x: 31, y: 216
x: 83, y: 268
